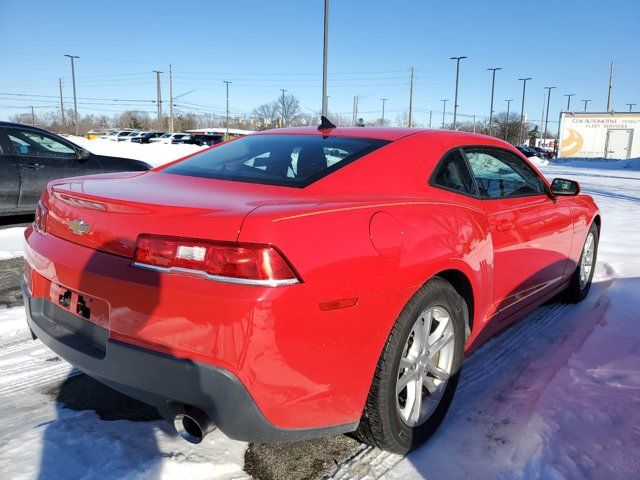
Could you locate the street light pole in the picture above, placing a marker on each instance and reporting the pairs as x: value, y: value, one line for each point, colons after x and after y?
x: 524, y: 88
x: 227, y: 83
x: 586, y: 102
x: 61, y: 104
x: 170, y: 98
x: 569, y: 95
x: 384, y: 100
x: 284, y: 121
x: 631, y: 105
x: 410, y: 98
x: 325, y: 53
x: 159, y: 100
x: 444, y: 108
x: 493, y: 85
x: 546, y: 118
x: 610, y: 88
x: 455, y: 101
x: 75, y: 99
x: 506, y: 130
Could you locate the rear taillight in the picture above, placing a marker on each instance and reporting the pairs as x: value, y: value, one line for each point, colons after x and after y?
x: 40, y: 220
x: 224, y: 261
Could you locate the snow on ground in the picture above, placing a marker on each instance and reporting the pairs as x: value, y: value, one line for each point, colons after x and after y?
x: 11, y: 242
x: 155, y: 154
x: 556, y: 396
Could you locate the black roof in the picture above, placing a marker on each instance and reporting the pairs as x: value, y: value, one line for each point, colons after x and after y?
x: 21, y: 125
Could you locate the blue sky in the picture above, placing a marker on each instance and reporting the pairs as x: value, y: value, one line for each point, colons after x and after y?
x: 263, y: 46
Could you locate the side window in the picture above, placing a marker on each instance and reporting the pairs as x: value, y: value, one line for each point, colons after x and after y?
x: 501, y: 174
x: 32, y: 143
x: 453, y: 174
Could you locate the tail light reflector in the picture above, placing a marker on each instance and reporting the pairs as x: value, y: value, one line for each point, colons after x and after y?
x: 224, y: 261
x: 40, y: 220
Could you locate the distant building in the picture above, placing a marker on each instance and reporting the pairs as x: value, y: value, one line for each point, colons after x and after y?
x: 614, y: 135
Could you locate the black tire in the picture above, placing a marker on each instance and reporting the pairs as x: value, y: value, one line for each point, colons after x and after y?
x: 574, y: 292
x: 381, y: 426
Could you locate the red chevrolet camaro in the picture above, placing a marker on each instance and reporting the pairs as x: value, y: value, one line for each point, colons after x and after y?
x: 297, y: 283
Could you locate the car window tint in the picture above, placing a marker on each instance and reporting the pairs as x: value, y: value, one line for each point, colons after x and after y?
x: 453, y: 174
x: 500, y: 174
x: 288, y: 160
x: 32, y: 143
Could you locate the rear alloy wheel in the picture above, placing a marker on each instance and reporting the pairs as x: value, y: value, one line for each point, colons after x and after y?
x: 582, y: 277
x: 425, y: 366
x: 417, y: 373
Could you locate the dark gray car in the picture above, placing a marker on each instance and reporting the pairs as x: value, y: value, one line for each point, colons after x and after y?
x: 30, y: 157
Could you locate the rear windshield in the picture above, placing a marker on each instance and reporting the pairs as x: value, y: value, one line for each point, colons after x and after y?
x: 288, y: 160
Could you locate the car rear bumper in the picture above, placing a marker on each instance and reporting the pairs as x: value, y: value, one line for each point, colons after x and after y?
x: 169, y: 383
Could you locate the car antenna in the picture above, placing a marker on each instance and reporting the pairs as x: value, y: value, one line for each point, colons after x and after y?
x: 325, y: 123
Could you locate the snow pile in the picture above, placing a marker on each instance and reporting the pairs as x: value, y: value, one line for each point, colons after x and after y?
x: 538, y: 161
x: 155, y: 154
x: 11, y: 240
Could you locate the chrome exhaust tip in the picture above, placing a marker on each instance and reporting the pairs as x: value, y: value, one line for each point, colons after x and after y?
x: 193, y: 426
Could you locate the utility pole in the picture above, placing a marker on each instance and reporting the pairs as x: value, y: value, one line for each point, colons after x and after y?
x: 75, y: 99
x: 383, y: 102
x: 355, y: 113
x: 631, y: 105
x: 474, y: 124
x: 524, y: 88
x: 170, y: 98
x: 493, y: 85
x: 444, y: 108
x: 325, y: 53
x: 569, y: 95
x: 61, y: 104
x: 284, y: 116
x: 610, y: 88
x: 455, y: 100
x: 506, y: 129
x: 410, y: 98
x: 586, y: 102
x: 544, y: 103
x: 546, y: 119
x: 33, y: 116
x: 159, y: 95
x: 430, y: 117
x: 227, y: 120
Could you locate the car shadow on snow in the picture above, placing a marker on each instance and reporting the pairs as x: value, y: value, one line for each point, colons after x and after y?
x: 100, y: 432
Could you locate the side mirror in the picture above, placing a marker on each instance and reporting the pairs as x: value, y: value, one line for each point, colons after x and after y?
x: 83, y: 154
x: 564, y: 187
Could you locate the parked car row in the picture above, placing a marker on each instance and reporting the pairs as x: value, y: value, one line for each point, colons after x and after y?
x: 136, y: 136
x: 529, y: 152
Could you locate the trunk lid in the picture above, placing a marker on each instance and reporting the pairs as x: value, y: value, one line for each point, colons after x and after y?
x: 107, y: 212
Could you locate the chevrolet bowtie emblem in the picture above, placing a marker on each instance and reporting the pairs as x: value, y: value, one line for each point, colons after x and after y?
x: 79, y: 227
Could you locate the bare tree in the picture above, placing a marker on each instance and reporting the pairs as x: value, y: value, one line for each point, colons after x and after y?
x: 266, y: 115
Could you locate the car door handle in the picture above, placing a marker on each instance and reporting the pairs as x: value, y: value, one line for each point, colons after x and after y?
x: 504, y: 226
x: 32, y: 166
